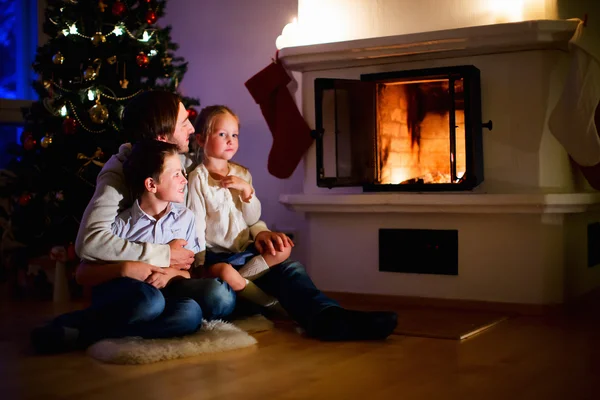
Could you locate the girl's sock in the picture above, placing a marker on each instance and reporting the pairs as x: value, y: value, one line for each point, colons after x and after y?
x: 254, y: 268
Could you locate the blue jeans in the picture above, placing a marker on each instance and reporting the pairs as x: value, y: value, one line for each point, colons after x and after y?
x: 128, y: 307
x: 289, y: 283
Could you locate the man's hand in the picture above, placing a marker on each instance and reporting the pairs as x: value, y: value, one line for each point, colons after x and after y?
x: 272, y: 242
x: 140, y: 270
x: 237, y: 183
x: 181, y: 258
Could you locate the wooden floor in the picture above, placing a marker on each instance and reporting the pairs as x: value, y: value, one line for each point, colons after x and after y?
x: 552, y: 357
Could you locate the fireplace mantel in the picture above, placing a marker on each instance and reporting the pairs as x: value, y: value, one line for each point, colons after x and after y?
x: 525, y: 235
x: 477, y: 40
x: 456, y: 203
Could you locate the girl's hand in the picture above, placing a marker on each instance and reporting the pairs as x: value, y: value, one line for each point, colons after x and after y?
x: 272, y: 242
x: 160, y: 280
x: 140, y: 270
x: 237, y: 183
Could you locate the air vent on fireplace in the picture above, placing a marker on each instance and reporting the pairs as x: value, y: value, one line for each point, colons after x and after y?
x: 417, y: 130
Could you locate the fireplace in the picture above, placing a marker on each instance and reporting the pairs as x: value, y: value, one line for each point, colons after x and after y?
x: 414, y: 130
x: 520, y: 234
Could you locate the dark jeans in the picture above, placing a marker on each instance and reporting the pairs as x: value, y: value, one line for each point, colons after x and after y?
x: 128, y: 307
x: 289, y: 283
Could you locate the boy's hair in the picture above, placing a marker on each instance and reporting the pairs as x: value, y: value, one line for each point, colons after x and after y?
x: 204, y: 125
x: 150, y: 115
x: 147, y: 160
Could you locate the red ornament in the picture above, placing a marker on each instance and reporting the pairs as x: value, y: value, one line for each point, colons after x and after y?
x: 71, y: 255
x: 118, y: 8
x: 151, y: 17
x: 24, y: 199
x: 69, y: 126
x: 192, y: 114
x: 25, y: 135
x: 29, y: 143
x: 142, y: 60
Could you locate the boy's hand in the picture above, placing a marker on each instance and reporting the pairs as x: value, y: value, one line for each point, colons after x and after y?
x: 181, y: 258
x: 271, y: 242
x: 140, y: 270
x: 237, y: 183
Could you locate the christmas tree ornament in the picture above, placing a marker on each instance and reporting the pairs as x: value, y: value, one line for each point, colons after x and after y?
x: 124, y: 82
x: 98, y: 38
x: 71, y: 255
x: 166, y: 60
x: 142, y: 59
x: 58, y: 58
x: 151, y: 17
x: 46, y: 141
x: 111, y: 60
x: 98, y: 113
x: 25, y: 199
x: 90, y: 73
x: 46, y: 84
x: 29, y: 143
x: 102, y: 6
x: 93, y: 159
x: 192, y: 114
x: 25, y: 135
x: 69, y: 126
x: 118, y: 8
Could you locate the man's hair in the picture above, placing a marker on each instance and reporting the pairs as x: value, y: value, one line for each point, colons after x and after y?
x: 204, y: 125
x: 150, y: 115
x: 147, y: 160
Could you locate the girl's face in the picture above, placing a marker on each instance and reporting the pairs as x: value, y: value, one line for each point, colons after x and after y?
x: 183, y: 130
x: 171, y: 182
x: 222, y: 142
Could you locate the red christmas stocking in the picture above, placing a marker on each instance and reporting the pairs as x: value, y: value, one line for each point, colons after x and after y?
x: 291, y: 134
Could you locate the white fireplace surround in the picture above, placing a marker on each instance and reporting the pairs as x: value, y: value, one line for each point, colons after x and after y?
x: 522, y: 232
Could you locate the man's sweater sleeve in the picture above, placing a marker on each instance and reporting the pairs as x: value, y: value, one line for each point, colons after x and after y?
x: 96, y: 240
x: 196, y: 203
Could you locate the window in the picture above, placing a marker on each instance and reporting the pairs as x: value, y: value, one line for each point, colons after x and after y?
x: 20, y: 27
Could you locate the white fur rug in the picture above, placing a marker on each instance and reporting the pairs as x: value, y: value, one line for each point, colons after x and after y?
x: 213, y: 336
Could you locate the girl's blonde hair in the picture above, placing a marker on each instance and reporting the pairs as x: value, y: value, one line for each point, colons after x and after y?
x: 204, y: 125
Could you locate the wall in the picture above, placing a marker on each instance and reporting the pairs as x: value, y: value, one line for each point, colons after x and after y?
x: 322, y: 21
x: 226, y: 42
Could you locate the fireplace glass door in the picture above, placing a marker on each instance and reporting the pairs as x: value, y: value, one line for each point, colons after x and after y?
x: 400, y: 131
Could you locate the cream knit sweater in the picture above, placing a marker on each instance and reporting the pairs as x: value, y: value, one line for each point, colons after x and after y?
x: 226, y: 223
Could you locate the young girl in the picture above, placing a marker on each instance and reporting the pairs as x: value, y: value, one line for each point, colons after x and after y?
x: 239, y: 247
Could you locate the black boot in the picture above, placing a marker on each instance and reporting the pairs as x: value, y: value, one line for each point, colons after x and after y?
x: 339, y: 324
x: 54, y: 338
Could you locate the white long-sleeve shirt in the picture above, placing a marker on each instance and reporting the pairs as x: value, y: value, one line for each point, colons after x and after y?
x: 227, y: 223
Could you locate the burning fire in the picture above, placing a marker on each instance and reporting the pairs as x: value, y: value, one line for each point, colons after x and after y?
x: 414, y: 132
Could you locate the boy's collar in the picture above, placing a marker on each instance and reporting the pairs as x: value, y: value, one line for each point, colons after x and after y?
x: 137, y: 212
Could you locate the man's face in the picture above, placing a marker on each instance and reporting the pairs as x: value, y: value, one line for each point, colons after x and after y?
x: 183, y: 130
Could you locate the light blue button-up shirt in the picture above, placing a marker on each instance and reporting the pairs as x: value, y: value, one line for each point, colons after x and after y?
x: 135, y: 225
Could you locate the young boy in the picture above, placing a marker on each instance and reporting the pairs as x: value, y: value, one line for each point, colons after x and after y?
x: 127, y: 299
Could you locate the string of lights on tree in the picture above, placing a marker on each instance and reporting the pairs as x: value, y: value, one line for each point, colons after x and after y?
x: 99, y: 55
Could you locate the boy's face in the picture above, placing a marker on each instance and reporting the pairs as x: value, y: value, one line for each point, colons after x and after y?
x: 222, y: 142
x: 183, y: 130
x: 171, y: 183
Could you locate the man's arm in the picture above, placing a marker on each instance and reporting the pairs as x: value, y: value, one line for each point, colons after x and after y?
x: 89, y: 274
x: 95, y: 239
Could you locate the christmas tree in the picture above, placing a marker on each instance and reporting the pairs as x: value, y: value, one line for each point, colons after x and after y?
x: 99, y: 56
